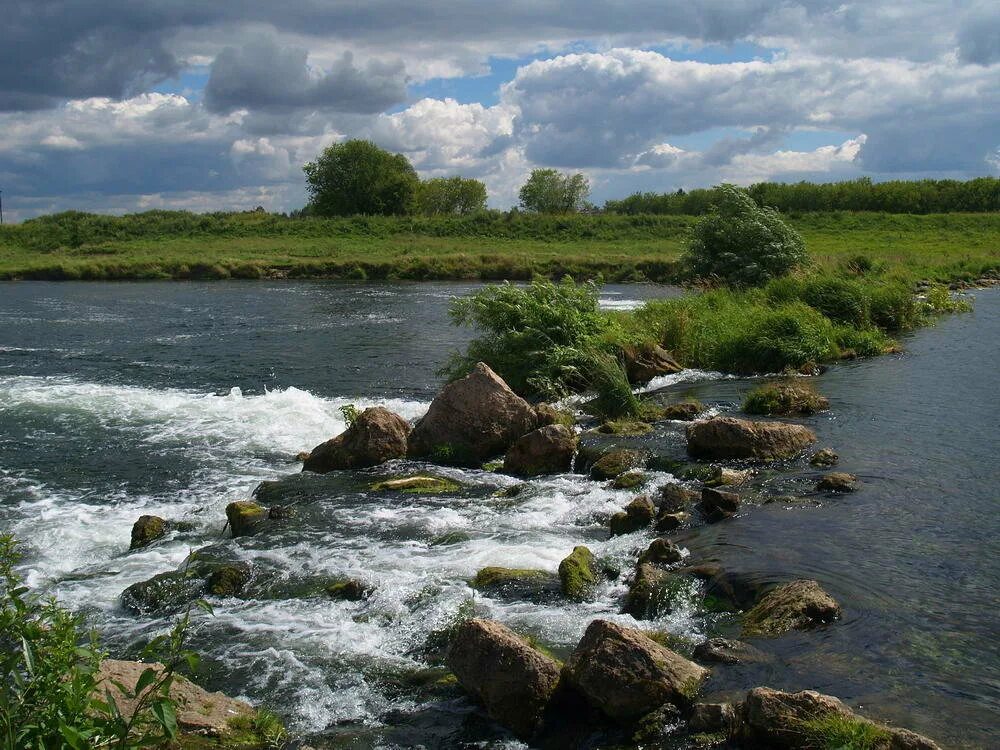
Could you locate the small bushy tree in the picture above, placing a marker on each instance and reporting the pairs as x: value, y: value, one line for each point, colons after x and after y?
x: 450, y: 195
x: 358, y: 177
x: 548, y: 191
x: 742, y: 243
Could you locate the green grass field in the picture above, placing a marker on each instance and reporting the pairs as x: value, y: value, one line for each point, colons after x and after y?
x: 939, y: 247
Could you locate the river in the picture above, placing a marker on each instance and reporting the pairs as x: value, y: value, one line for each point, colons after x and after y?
x: 176, y: 398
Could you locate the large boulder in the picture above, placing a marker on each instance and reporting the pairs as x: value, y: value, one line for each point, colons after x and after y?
x: 626, y: 675
x: 198, y: 711
x: 512, y: 680
x: 727, y: 437
x: 472, y: 419
x: 799, y: 605
x: 376, y: 436
x: 644, y: 363
x: 547, y: 450
x: 807, y: 719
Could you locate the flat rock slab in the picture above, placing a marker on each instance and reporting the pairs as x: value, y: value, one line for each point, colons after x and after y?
x: 727, y: 437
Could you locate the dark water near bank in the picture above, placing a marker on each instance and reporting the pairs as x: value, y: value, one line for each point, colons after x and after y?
x: 174, y: 399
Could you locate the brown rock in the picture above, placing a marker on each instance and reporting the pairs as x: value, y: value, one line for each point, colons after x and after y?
x: 244, y: 517
x: 838, y: 481
x: 727, y: 437
x: 638, y: 514
x: 727, y: 651
x: 667, y: 522
x: 626, y: 675
x: 718, y: 504
x: 472, y: 419
x: 513, y: 680
x: 616, y: 462
x: 547, y: 450
x: 147, y: 530
x: 642, y: 364
x: 198, y: 711
x: 685, y: 411
x: 712, y: 717
x: 661, y: 552
x: 376, y: 436
x: 652, y: 592
x: 675, y: 497
x: 824, y: 457
x: 799, y: 605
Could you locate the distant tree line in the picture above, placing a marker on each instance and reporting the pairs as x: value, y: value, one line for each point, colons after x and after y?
x: 981, y: 194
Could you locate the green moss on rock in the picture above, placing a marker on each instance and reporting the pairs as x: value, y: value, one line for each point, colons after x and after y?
x: 577, y: 574
x: 420, y: 484
x: 616, y: 462
x: 228, y: 580
x: 244, y: 516
x: 784, y: 399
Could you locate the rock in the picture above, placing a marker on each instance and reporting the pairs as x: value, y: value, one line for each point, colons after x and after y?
x: 228, y: 579
x: 471, y: 420
x: 685, y: 411
x: 675, y: 497
x: 718, y: 504
x: 162, y: 592
x: 653, y: 592
x: 626, y: 675
x: 712, y: 717
x: 728, y: 651
x: 517, y: 584
x: 351, y: 590
x: 727, y: 437
x: 799, y: 605
x: 624, y: 427
x: 513, y: 680
x: 198, y: 711
x: 548, y: 414
x: 644, y: 363
x: 725, y: 477
x: 629, y: 480
x: 638, y: 514
x: 376, y: 436
x: 725, y: 587
x: 616, y: 462
x: 661, y: 552
x: 547, y: 450
x: 577, y: 574
x: 244, y: 517
x: 804, y: 720
x: 302, y: 456
x: 667, y: 522
x: 416, y: 485
x: 824, y: 457
x: 784, y: 399
x: 838, y: 481
x: 147, y: 530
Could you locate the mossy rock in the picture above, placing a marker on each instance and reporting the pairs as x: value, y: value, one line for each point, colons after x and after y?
x: 245, y: 517
x: 163, y: 592
x: 616, y: 462
x: 684, y: 411
x: 624, y: 427
x: 526, y: 584
x: 228, y: 579
x: 420, y: 484
x: 349, y: 590
x: 493, y: 465
x: 679, y: 643
x: 577, y: 573
x: 450, y: 537
x: 784, y: 399
x: 630, y: 480
x: 146, y: 530
x: 655, y: 592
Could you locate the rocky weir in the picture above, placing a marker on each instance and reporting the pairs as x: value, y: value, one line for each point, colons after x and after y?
x: 629, y: 680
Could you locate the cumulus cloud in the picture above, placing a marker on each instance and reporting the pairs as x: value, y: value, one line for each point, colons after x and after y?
x: 263, y: 75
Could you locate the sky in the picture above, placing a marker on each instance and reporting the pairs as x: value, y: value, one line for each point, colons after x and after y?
x: 128, y: 105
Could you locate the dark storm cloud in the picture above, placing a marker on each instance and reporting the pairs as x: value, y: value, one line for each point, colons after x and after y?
x: 979, y: 38
x: 267, y: 76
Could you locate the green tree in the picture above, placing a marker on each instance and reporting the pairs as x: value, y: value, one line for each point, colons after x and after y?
x: 548, y: 191
x: 741, y: 242
x: 450, y: 195
x: 358, y: 177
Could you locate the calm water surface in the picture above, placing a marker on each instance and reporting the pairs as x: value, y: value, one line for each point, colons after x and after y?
x: 177, y: 398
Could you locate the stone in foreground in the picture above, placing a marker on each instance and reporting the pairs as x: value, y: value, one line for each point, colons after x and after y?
x: 471, y: 420
x: 626, y: 675
x: 547, y: 450
x: 799, y: 605
x: 512, y: 680
x: 198, y: 711
x: 727, y: 437
x: 804, y: 720
x: 376, y: 436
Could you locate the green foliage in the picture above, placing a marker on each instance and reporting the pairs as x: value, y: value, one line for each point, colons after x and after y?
x: 835, y: 732
x: 450, y: 195
x: 839, y: 299
x: 742, y: 243
x: 358, y: 177
x: 893, y: 306
x: 783, y: 398
x: 350, y: 414
x: 545, y: 340
x: 895, y: 196
x: 862, y: 342
x: 548, y: 191
x: 49, y: 696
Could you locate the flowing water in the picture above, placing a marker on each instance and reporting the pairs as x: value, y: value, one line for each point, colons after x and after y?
x: 174, y: 399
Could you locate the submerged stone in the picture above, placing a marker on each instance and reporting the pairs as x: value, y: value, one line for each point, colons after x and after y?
x: 654, y: 592
x: 798, y: 605
x: 824, y: 457
x: 661, y: 552
x: 577, y: 574
x: 351, y: 590
x: 728, y: 651
x: 517, y: 583
x: 419, y: 484
x: 838, y: 481
x: 228, y: 579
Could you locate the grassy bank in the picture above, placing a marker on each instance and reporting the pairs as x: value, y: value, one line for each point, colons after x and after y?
x: 491, y: 245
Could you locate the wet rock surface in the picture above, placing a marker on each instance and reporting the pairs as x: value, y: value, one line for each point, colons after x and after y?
x: 638, y: 514
x: 799, y: 605
x: 728, y: 437
x: 547, y: 450
x: 376, y: 436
